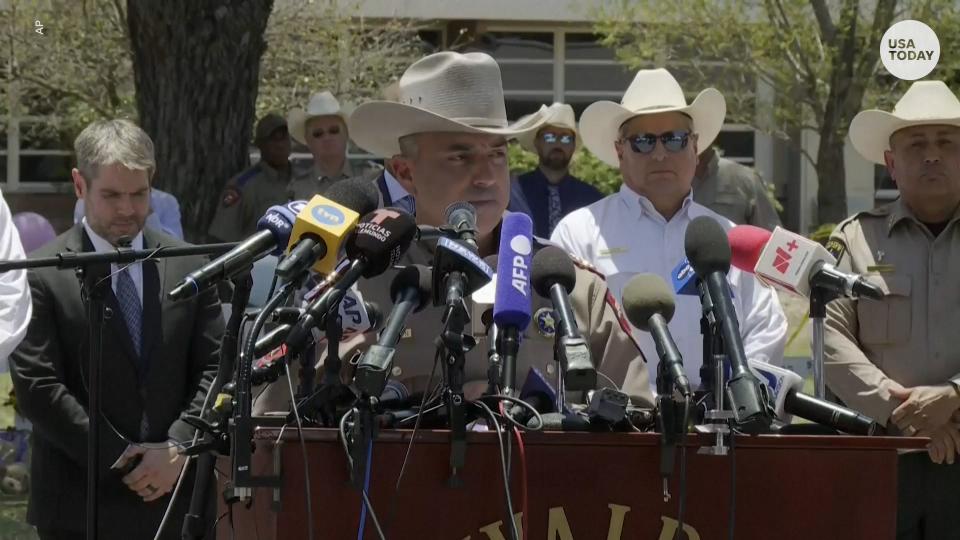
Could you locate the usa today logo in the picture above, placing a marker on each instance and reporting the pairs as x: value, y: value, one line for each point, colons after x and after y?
x: 910, y: 50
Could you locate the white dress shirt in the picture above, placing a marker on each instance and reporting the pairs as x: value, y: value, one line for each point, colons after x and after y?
x: 623, y: 235
x: 15, y: 304
x: 101, y: 245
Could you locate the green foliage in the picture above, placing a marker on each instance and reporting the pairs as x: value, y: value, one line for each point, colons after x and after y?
x: 585, y: 166
x: 822, y: 233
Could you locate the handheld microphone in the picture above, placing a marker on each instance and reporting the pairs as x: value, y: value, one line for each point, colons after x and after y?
x: 410, y: 292
x: 708, y: 250
x: 273, y: 232
x: 793, y: 263
x: 377, y: 243
x: 649, y: 306
x: 323, y: 224
x: 553, y: 276
x: 462, y: 220
x: 785, y: 389
x: 511, y: 308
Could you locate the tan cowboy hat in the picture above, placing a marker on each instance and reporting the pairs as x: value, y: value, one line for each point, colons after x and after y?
x: 925, y: 102
x: 558, y: 114
x: 320, y: 104
x: 652, y: 91
x: 443, y: 92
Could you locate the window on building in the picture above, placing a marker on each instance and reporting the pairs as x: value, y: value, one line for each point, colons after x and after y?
x: 526, y: 66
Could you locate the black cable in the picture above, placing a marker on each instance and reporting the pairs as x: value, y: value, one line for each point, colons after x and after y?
x: 521, y: 403
x: 213, y: 529
x: 682, y: 503
x: 363, y: 491
x: 392, y: 508
x: 303, y: 449
x: 733, y: 484
x: 503, y: 466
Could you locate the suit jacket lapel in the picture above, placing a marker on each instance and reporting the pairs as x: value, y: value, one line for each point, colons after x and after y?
x: 384, y: 191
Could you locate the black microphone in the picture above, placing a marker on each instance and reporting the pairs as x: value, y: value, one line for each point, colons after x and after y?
x: 462, y: 220
x: 708, y: 251
x: 273, y: 233
x: 378, y: 242
x: 321, y: 227
x: 829, y: 414
x: 649, y: 305
x: 410, y: 292
x: 553, y: 276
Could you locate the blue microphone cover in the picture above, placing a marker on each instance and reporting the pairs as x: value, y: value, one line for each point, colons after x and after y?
x: 279, y: 220
x: 684, y: 279
x: 512, y: 300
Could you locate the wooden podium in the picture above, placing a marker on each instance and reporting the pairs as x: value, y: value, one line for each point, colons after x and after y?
x: 581, y: 486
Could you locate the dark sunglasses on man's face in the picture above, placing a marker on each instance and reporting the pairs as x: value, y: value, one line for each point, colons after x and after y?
x: 553, y: 138
x: 673, y: 141
x: 317, y: 133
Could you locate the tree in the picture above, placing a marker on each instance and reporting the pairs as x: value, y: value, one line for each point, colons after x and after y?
x: 818, y: 59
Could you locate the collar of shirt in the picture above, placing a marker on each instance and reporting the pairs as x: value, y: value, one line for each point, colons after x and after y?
x: 642, y: 206
x: 345, y: 172
x: 396, y: 191
x: 101, y: 245
x: 539, y: 175
x: 273, y: 174
x: 900, y: 211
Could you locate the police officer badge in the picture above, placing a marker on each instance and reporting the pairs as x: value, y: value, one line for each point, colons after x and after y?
x: 546, y: 322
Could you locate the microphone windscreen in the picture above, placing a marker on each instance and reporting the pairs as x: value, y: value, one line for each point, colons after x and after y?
x: 357, y: 194
x: 511, y: 306
x: 746, y: 245
x: 552, y: 265
x: 461, y: 215
x: 381, y: 238
x: 644, y: 296
x: 707, y: 247
x: 279, y: 220
x: 417, y: 276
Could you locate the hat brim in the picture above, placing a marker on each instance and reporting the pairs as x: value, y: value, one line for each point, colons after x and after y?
x: 527, y: 140
x: 600, y: 122
x: 297, y: 123
x: 870, y: 131
x: 377, y: 126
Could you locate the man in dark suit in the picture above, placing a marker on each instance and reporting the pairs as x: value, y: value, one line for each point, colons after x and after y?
x: 159, y: 357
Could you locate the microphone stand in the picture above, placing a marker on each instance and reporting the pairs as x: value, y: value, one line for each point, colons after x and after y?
x: 93, y: 289
x: 454, y: 344
x: 819, y: 298
x: 715, y: 419
x: 216, y: 438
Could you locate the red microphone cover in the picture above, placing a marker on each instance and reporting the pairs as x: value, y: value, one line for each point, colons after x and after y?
x: 746, y: 244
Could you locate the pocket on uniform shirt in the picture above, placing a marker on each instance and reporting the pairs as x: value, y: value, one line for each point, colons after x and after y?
x: 887, y: 321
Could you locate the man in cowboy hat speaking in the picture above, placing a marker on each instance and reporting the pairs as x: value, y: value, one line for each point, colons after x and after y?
x: 550, y: 190
x: 897, y: 360
x: 448, y: 133
x: 653, y: 136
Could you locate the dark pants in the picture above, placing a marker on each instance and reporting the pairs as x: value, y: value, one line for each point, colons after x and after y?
x: 928, y: 499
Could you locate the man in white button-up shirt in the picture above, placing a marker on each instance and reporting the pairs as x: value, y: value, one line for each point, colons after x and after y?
x: 652, y: 136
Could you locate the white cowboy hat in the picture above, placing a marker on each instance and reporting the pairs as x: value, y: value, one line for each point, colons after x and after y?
x: 320, y: 104
x: 558, y: 114
x: 443, y: 92
x: 925, y: 102
x: 652, y: 91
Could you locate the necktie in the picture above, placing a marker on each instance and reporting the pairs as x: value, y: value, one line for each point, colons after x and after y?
x: 408, y: 204
x: 130, y: 305
x: 554, y: 210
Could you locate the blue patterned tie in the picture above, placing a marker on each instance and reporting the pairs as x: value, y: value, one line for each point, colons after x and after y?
x: 407, y: 203
x: 130, y: 306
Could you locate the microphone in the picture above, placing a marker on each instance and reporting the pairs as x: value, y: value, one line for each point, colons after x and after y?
x: 648, y: 304
x: 785, y: 388
x: 684, y: 279
x: 410, y: 292
x: 708, y: 250
x: 553, y: 276
x: 377, y: 243
x: 273, y: 232
x: 461, y: 219
x: 511, y: 307
x: 323, y: 224
x: 793, y: 263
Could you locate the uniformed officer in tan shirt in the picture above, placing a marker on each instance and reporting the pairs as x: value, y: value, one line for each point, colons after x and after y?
x: 897, y: 360
x: 734, y: 191
x: 247, y: 196
x: 450, y: 144
x: 322, y: 128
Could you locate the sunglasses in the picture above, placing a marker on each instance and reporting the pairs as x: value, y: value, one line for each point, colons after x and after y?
x: 673, y: 141
x: 317, y: 133
x: 553, y: 138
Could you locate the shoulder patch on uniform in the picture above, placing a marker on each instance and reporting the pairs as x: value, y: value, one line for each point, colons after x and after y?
x: 231, y: 196
x: 836, y: 247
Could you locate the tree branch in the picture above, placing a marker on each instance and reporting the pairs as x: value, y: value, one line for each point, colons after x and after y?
x: 822, y: 13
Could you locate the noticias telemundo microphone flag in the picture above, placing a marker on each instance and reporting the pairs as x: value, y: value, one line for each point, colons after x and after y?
x: 330, y: 221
